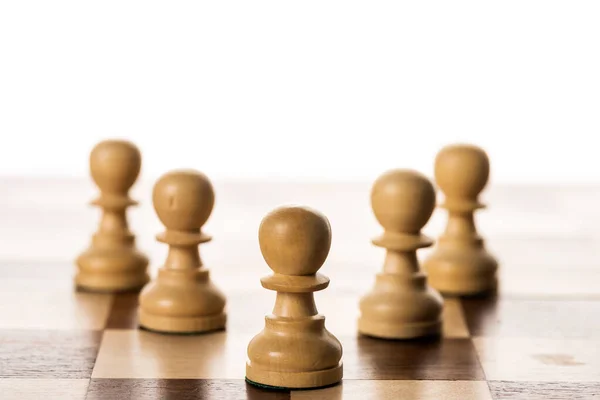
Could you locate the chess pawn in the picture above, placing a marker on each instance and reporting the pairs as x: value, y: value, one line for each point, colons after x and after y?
x: 294, y: 350
x: 112, y: 263
x: 182, y: 299
x: 460, y: 264
x: 401, y: 305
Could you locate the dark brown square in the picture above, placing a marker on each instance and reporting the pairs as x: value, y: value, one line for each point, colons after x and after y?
x: 180, y: 389
x: 48, y: 354
x: 123, y: 313
x: 438, y: 359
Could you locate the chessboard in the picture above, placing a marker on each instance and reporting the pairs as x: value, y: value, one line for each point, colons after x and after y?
x: 538, y: 337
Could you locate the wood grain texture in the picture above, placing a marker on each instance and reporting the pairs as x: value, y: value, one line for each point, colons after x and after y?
x: 537, y: 339
x: 180, y: 389
x: 430, y: 359
x: 48, y: 354
x: 505, y: 390
x: 222, y: 355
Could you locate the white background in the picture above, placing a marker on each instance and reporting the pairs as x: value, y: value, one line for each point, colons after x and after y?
x: 311, y: 89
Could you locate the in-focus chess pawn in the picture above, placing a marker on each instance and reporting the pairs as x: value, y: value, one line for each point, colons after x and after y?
x: 112, y: 263
x: 294, y: 350
x: 182, y: 299
x: 460, y: 264
x: 401, y: 305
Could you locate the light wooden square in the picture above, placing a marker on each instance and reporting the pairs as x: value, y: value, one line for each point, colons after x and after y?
x: 36, y: 305
x: 393, y: 390
x: 46, y: 389
x: 541, y: 360
x: 142, y: 354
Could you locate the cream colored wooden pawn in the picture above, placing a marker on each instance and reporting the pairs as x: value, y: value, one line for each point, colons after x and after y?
x: 112, y: 263
x: 294, y: 350
x: 182, y: 299
x: 401, y: 305
x: 460, y: 264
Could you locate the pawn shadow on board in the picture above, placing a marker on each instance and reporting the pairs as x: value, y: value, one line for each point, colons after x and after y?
x: 480, y: 311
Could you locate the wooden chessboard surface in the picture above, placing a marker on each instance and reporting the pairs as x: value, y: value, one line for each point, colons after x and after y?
x: 539, y: 338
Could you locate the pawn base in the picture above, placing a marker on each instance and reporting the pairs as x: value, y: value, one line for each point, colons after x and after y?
x: 460, y: 272
x: 293, y: 380
x: 110, y: 283
x: 111, y: 270
x: 400, y: 307
x: 164, y: 324
x: 465, y: 286
x: 387, y: 330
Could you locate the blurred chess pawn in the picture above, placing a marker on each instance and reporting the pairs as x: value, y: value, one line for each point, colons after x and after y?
x: 401, y: 305
x: 112, y: 263
x: 294, y: 350
x: 182, y: 299
x: 460, y: 265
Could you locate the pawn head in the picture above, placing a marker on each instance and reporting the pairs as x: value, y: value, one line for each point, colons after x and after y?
x: 462, y: 171
x: 295, y: 240
x: 115, y: 165
x: 403, y: 201
x: 183, y: 199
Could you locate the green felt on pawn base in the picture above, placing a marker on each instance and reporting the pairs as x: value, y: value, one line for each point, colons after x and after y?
x: 281, y: 388
x: 192, y: 333
x: 260, y: 385
x: 86, y: 289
